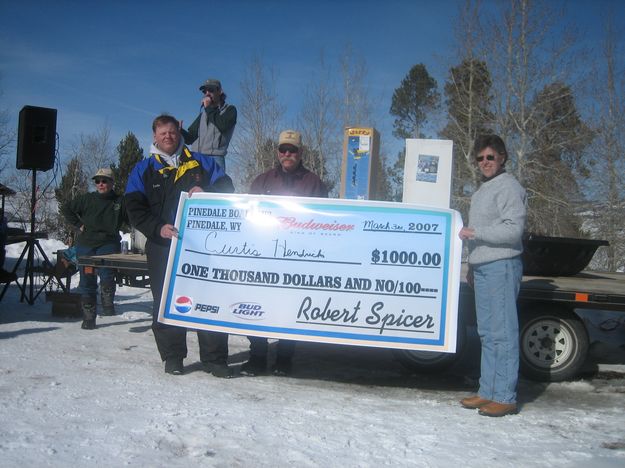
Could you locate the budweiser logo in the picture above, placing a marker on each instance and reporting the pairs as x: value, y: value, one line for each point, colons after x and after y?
x: 290, y: 222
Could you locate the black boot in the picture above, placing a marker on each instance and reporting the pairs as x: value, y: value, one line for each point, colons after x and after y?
x: 286, y: 349
x: 107, y: 296
x: 218, y: 369
x: 88, y: 305
x: 257, y: 365
x: 174, y: 366
x: 88, y: 324
x: 282, y: 367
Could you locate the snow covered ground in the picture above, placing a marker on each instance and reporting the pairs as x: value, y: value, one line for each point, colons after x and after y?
x: 72, y: 397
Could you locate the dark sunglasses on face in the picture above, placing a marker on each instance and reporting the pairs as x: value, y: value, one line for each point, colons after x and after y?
x: 101, y: 181
x: 210, y: 89
x: 489, y: 157
x: 283, y: 149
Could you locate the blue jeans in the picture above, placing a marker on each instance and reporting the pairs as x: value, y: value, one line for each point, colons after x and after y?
x: 88, y: 285
x: 497, y: 286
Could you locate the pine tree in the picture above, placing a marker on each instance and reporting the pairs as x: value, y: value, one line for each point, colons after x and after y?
x: 468, y: 99
x: 559, y: 138
x: 396, y: 176
x: 129, y: 154
x: 411, y: 101
x: 607, y: 180
x: 416, y: 95
x: 73, y: 183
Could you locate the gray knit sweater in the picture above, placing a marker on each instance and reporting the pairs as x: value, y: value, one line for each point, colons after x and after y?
x: 211, y: 132
x: 497, y: 213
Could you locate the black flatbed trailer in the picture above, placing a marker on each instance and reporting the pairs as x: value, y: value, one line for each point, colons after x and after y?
x: 553, y: 338
x: 129, y: 261
x: 131, y: 268
x: 585, y: 290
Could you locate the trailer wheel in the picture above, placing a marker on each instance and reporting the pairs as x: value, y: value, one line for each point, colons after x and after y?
x: 553, y: 344
x: 429, y: 362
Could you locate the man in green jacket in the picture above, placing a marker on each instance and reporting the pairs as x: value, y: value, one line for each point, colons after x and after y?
x: 96, y: 217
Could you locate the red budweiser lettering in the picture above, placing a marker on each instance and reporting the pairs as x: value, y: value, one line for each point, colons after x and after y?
x: 292, y: 223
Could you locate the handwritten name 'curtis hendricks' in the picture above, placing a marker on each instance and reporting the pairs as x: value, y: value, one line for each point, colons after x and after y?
x: 280, y: 249
x: 242, y: 249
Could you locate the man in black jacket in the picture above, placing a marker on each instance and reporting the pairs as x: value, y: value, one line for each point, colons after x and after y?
x: 96, y: 217
x: 152, y: 195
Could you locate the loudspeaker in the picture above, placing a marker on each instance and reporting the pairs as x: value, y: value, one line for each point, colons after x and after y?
x: 36, y: 141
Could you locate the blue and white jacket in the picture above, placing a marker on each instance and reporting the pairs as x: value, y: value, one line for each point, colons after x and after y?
x: 155, y: 184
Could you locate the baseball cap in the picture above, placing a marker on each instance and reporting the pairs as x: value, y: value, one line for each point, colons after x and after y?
x: 104, y: 172
x: 290, y: 137
x: 211, y: 82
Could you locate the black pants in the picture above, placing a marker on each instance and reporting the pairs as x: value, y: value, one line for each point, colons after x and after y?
x: 171, y: 341
x: 259, y: 346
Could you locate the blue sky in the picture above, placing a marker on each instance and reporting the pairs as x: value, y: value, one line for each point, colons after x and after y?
x: 123, y: 62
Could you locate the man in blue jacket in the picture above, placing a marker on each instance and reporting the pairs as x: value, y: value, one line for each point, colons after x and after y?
x: 152, y: 195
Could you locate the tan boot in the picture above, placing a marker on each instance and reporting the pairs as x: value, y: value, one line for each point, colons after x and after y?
x: 474, y: 402
x: 496, y: 410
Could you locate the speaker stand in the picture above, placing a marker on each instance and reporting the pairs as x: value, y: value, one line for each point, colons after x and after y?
x: 30, y: 291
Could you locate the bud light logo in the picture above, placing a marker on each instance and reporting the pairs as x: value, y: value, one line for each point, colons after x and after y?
x: 183, y: 304
x: 248, y: 310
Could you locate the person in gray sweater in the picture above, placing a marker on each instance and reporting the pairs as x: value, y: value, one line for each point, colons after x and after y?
x: 496, y: 222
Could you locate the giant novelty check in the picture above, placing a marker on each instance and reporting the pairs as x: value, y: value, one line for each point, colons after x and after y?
x: 334, y: 271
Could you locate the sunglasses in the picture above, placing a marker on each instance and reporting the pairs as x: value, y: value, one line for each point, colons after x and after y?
x: 101, y: 181
x: 210, y: 89
x: 283, y: 149
x: 489, y: 157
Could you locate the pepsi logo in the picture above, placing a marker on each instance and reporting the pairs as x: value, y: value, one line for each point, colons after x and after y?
x: 183, y: 304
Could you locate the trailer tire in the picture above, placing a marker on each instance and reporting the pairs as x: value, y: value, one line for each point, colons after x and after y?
x: 553, y: 343
x: 430, y: 362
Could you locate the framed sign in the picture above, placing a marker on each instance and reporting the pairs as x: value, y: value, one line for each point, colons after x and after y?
x: 427, y: 172
x: 326, y: 270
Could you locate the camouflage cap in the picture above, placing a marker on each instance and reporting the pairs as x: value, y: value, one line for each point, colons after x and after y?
x: 211, y: 82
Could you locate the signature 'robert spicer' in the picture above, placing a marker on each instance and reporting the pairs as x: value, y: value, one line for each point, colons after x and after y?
x: 280, y: 249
